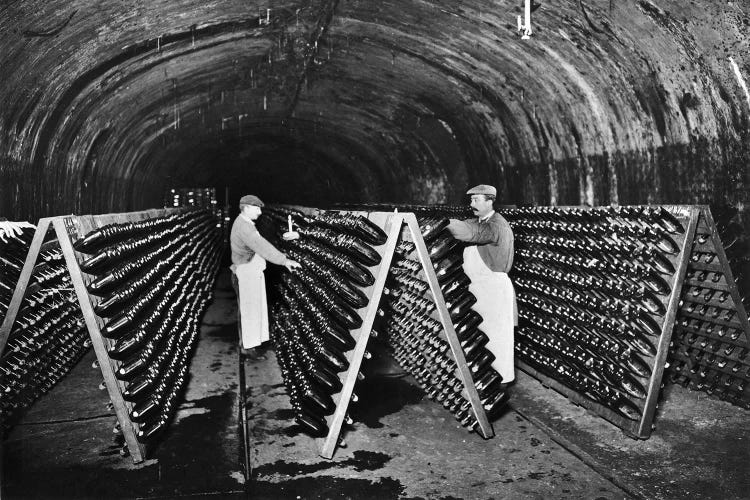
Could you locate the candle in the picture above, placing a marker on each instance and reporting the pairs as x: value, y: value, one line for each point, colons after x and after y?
x: 290, y: 223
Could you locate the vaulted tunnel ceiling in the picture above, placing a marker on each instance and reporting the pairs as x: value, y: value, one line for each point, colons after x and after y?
x: 103, y: 105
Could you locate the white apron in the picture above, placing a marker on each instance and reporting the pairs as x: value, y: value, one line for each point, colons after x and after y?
x: 252, y: 302
x: 496, y: 303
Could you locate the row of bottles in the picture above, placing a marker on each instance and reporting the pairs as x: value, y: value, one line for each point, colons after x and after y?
x: 736, y: 244
x: 315, y: 309
x: 709, y: 348
x: 47, y: 336
x: 13, y: 250
x: 153, y: 280
x: 421, y: 211
x: 198, y: 198
x: 409, y: 325
x: 593, y: 287
x: 646, y: 219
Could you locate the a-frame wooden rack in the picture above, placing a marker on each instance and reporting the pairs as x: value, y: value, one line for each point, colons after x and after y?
x: 712, y: 307
x: 642, y: 428
x: 398, y: 225
x: 69, y: 229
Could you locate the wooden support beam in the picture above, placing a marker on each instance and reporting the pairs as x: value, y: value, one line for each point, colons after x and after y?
x: 94, y: 325
x: 391, y: 223
x: 657, y: 373
x: 23, y: 281
x: 450, y: 333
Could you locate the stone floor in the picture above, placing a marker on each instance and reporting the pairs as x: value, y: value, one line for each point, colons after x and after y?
x: 401, y: 446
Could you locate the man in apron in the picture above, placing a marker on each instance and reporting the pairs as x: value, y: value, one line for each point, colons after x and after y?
x: 487, y: 263
x: 250, y: 251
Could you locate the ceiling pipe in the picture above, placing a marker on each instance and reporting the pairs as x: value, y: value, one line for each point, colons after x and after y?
x: 525, y: 26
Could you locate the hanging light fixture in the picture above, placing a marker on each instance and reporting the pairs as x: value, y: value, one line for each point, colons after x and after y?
x: 524, y: 26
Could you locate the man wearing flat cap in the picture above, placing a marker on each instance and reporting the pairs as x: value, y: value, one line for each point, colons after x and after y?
x: 487, y: 263
x: 250, y: 251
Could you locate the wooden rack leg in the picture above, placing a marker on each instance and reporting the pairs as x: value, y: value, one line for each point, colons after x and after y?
x: 450, y: 332
x: 137, y: 450
x: 23, y: 281
x: 393, y: 229
x: 649, y: 407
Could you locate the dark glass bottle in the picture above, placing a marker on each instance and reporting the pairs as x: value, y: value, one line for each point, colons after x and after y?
x: 433, y: 227
x: 494, y: 403
x: 474, y: 342
x: 467, y: 323
x: 481, y: 363
x: 443, y: 246
x: 461, y: 306
x: 353, y: 224
x: 350, y: 244
x: 341, y: 312
x: 340, y: 284
x: 313, y: 425
x: 317, y: 401
x: 448, y: 268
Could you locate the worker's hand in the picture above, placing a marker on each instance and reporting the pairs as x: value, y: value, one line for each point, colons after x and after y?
x: 291, y: 265
x: 10, y: 229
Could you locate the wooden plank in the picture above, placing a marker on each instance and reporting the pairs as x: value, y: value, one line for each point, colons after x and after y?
x: 702, y: 266
x: 23, y: 280
x: 654, y: 386
x: 720, y: 285
x: 392, y: 225
x: 129, y: 430
x: 442, y: 310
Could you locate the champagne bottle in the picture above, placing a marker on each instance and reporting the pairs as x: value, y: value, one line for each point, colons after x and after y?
x: 338, y: 282
x: 311, y: 424
x: 353, y: 224
x: 432, y: 228
x: 350, y: 244
x: 461, y: 306
x: 443, y: 246
x: 448, y: 268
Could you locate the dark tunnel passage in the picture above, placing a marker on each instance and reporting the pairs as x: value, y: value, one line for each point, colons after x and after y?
x: 104, y: 105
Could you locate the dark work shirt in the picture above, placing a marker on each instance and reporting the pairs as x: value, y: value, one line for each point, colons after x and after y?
x: 493, y: 237
x: 246, y: 241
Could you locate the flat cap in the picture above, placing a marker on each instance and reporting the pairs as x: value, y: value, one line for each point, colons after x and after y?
x: 483, y: 189
x: 251, y: 199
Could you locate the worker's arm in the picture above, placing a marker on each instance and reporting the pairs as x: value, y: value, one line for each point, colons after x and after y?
x: 10, y: 229
x: 258, y: 244
x: 472, y: 231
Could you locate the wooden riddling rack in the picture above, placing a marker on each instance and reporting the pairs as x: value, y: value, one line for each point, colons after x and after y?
x: 595, y: 316
x: 69, y: 229
x: 444, y: 374
x: 396, y: 226
x: 711, y: 340
x: 49, y: 335
x: 391, y: 224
